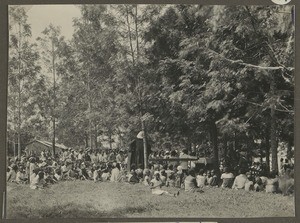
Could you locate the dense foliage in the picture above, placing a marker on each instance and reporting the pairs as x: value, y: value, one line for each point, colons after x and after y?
x: 216, y: 79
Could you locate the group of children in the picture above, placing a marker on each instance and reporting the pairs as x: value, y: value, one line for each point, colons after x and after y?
x: 40, y: 171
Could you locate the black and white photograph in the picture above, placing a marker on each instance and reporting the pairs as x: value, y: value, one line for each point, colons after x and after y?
x: 150, y: 111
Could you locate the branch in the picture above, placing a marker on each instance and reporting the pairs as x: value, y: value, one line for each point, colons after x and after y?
x: 240, y: 62
x: 287, y: 111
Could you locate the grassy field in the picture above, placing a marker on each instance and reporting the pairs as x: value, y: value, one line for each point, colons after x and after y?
x: 82, y: 199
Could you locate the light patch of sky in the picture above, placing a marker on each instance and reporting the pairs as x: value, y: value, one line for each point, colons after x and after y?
x: 40, y: 16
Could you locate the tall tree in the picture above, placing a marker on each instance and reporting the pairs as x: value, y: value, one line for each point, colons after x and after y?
x: 50, y: 44
x: 23, y: 69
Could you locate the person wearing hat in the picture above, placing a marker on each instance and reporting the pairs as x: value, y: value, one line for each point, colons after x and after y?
x: 136, y: 150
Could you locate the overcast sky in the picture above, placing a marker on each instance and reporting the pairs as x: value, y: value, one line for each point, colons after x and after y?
x: 40, y: 16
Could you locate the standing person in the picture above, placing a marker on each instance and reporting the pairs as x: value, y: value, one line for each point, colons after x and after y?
x: 120, y: 157
x: 32, y: 165
x: 136, y: 151
x: 184, y: 163
x: 173, y: 154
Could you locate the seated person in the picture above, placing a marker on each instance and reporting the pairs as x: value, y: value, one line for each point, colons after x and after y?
x: 163, y: 177
x: 240, y: 180
x: 156, y: 185
x: 96, y: 174
x: 21, y: 176
x: 38, y: 181
x: 171, y: 180
x: 201, y: 179
x: 147, y: 178
x: 249, y: 184
x: 115, y: 172
x: 214, y: 179
x: 286, y: 183
x: 272, y: 183
x: 133, y: 178
x: 190, y: 183
x: 139, y: 171
x: 258, y: 186
x: 105, y: 175
x: 227, y: 177
x: 57, y: 175
x: 12, y: 174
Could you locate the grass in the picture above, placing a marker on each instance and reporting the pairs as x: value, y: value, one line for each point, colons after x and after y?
x: 82, y: 199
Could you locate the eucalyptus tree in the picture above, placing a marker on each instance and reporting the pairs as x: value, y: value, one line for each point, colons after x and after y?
x: 50, y: 42
x: 23, y: 68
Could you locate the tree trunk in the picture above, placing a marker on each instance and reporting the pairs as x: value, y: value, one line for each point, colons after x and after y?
x: 89, y: 110
x: 130, y: 35
x: 86, y: 141
x: 267, y: 144
x: 14, y: 142
x: 19, y: 94
x: 214, y: 142
x: 273, y: 138
x: 225, y: 149
x: 145, y: 145
x: 273, y: 141
x: 110, y: 138
x: 54, y: 95
x: 95, y: 138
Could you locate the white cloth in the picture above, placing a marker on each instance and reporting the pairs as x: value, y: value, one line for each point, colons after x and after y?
x: 156, y: 183
x: 201, y: 180
x: 34, y: 182
x: 115, y: 174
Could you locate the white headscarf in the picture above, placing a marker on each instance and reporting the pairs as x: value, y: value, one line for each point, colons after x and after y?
x: 140, y: 135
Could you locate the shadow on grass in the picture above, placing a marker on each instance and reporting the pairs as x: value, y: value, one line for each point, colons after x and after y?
x: 72, y: 210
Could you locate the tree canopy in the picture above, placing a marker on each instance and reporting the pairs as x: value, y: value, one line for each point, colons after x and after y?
x: 215, y: 79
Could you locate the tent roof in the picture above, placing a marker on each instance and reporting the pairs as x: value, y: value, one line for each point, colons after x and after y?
x: 48, y: 144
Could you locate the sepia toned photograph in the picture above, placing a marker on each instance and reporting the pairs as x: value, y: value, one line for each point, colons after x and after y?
x: 150, y: 111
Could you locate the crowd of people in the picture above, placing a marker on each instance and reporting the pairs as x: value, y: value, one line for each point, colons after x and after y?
x: 42, y: 170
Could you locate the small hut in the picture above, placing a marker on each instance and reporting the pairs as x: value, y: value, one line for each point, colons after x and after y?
x: 37, y: 146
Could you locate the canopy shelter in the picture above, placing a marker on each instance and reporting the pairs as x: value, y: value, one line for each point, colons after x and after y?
x: 202, y: 162
x: 37, y: 146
